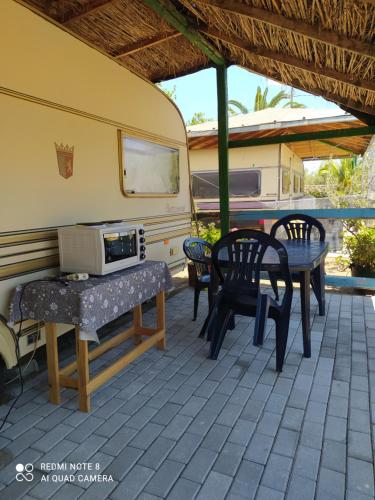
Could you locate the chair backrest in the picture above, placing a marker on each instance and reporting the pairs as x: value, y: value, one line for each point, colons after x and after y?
x: 237, y: 258
x: 299, y: 227
x: 199, y: 252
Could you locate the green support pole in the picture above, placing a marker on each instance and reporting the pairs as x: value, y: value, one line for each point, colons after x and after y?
x: 222, y: 112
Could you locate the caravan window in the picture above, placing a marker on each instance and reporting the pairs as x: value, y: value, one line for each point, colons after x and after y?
x: 296, y: 183
x: 148, y: 168
x: 286, y: 181
x: 242, y: 183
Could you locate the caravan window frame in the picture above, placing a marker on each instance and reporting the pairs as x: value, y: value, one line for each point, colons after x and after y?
x: 195, y: 175
x: 158, y: 141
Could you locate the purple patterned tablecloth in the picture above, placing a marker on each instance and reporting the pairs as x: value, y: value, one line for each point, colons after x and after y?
x: 93, y: 303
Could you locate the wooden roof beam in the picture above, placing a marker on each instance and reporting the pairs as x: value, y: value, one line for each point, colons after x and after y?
x: 89, y: 8
x: 305, y: 136
x: 294, y: 25
x: 167, y: 11
x: 290, y: 60
x: 146, y: 43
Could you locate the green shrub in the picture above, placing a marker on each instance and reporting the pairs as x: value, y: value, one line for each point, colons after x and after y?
x: 207, y: 232
x: 359, y: 244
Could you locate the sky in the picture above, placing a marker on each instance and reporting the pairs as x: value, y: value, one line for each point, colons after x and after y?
x: 197, y: 92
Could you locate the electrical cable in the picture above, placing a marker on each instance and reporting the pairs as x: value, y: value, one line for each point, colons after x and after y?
x: 16, y: 337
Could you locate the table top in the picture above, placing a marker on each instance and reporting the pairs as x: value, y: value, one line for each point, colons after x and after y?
x: 92, y: 303
x: 303, y: 255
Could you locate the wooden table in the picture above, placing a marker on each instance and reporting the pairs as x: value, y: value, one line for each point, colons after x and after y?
x: 89, y: 305
x: 82, y: 382
x: 304, y: 258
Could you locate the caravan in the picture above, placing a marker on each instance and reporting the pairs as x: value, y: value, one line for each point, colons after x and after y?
x: 82, y: 140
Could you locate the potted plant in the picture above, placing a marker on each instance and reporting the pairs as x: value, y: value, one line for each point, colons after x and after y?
x: 359, y: 245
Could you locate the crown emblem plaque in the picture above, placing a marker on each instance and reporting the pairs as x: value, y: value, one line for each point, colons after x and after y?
x: 65, y: 156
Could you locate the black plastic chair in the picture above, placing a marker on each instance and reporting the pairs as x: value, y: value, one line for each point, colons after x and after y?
x: 301, y: 227
x: 237, y: 258
x: 199, y: 252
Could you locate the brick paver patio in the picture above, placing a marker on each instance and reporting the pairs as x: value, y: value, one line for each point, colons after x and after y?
x: 179, y: 426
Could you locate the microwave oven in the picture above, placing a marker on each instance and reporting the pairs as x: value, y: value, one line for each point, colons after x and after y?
x: 101, y: 248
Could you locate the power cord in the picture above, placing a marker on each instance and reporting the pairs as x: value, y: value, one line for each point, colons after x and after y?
x: 16, y: 337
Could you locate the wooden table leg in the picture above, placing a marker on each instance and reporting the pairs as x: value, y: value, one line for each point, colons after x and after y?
x: 82, y: 372
x: 137, y: 321
x: 305, y: 312
x: 52, y: 363
x: 160, y: 318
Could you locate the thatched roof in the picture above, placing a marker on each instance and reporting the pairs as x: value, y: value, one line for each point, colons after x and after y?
x: 272, y: 122
x: 324, y: 47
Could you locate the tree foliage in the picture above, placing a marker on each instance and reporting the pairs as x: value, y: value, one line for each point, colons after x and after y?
x: 261, y: 102
x: 198, y: 117
x: 171, y: 93
x: 343, y: 176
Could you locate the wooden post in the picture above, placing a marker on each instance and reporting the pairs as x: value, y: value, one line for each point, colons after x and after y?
x: 52, y: 363
x: 160, y: 318
x: 83, y: 372
x: 137, y: 322
x: 222, y: 111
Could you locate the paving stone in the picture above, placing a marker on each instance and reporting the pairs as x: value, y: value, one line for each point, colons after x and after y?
x: 86, y: 450
x: 185, y: 447
x: 184, y: 490
x: 359, y: 420
x: 359, y: 446
x: 269, y: 424
x: 146, y: 436
x: 334, y: 456
x: 331, y: 484
x: 276, y: 473
x: 141, y: 417
x: 8, y: 473
x: 252, y: 410
x: 118, y: 442
x: 316, y: 412
x: 99, y: 491
x: 157, y: 453
x: 247, y: 479
x: 200, y: 465
x: 259, y: 448
x: 276, y: 403
x: 133, y: 483
x: 54, y: 418
x: 166, y: 413
x: 312, y: 434
x: 336, y: 429
x: 17, y: 490
x: 52, y: 438
x: 229, y: 459
x: 265, y: 493
x: 242, y: 432
x: 216, y: 437
x: 286, y: 442
x: 111, y: 425
x: 292, y: 419
x: 25, y: 440
x: 177, y: 427
x: 360, y: 476
x: 301, y: 487
x: 165, y: 477
x: 15, y: 430
x: 215, y: 487
x: 85, y: 429
x: 70, y: 491
x: 56, y: 455
x: 306, y: 462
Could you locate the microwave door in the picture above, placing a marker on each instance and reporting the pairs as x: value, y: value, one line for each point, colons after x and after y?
x: 119, y: 246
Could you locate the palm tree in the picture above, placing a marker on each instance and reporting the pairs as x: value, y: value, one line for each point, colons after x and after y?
x: 260, y: 102
x: 344, y: 174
